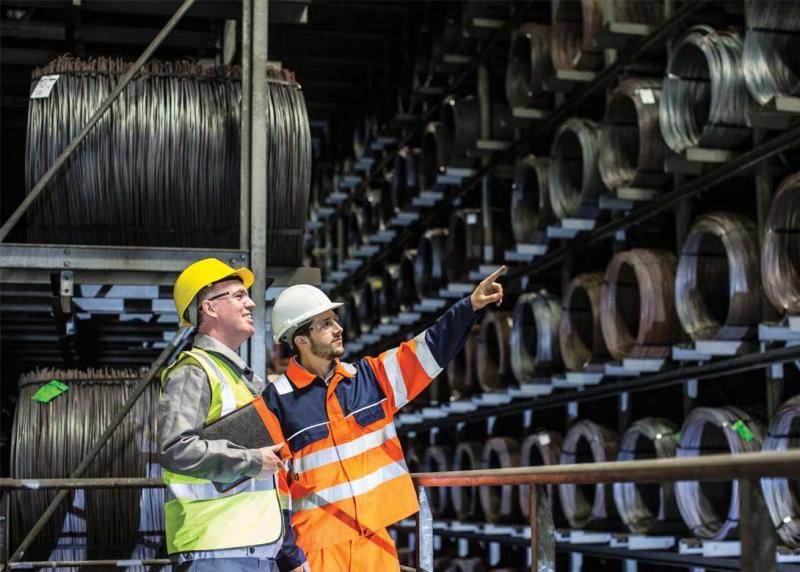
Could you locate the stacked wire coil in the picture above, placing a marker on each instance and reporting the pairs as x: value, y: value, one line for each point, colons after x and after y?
x: 540, y: 449
x: 530, y: 199
x: 580, y: 331
x: 704, y: 97
x: 429, y: 266
x: 494, y: 352
x: 437, y: 458
x: 465, y: 500
x: 529, y: 64
x: 575, y: 27
x: 435, y: 154
x: 500, y: 503
x: 780, y: 254
x: 534, y: 342
x: 574, y: 177
x: 718, y: 291
x: 711, y: 510
x: 781, y: 493
x: 50, y: 439
x: 647, y: 508
x: 464, y: 244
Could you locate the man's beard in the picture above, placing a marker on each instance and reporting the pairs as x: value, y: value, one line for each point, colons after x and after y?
x: 326, y: 351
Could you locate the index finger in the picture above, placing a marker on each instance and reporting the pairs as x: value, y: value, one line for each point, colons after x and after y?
x: 495, y: 275
x: 276, y: 448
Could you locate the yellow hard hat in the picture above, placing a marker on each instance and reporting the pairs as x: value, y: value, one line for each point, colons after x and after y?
x: 200, y: 274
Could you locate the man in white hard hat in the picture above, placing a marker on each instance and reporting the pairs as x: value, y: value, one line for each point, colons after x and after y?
x: 248, y: 526
x: 348, y: 477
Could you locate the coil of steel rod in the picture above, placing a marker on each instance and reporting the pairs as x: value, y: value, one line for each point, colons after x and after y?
x: 718, y: 292
x: 435, y: 153
x: 50, y: 439
x: 647, y: 508
x: 637, y: 311
x: 579, y: 330
x: 500, y: 504
x: 530, y: 199
x: 780, y: 254
x: 781, y: 494
x: 574, y: 178
x: 771, y: 45
x: 632, y: 149
x: 464, y: 244
x: 587, y: 442
x: 573, y: 36
x: 462, y: 371
x: 534, y: 343
x: 348, y: 316
x: 494, y: 359
x: 427, y: 59
x: 711, y: 510
x: 461, y: 119
x: 413, y: 458
x: 429, y: 266
x: 465, y: 500
x: 369, y: 307
x: 405, y: 286
x: 404, y: 181
x: 529, y: 64
x: 437, y: 458
x: 162, y: 166
x: 704, y: 97
x: 365, y: 129
x: 639, y: 12
x: 540, y: 449
x: 455, y: 41
x: 466, y: 565
x: 353, y: 232
x: 371, y: 212
x: 388, y: 296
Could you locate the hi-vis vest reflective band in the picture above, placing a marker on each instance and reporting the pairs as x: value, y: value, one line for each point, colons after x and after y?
x: 201, y: 519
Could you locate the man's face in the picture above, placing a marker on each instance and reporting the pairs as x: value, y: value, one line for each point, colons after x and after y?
x: 233, y: 307
x: 325, y: 334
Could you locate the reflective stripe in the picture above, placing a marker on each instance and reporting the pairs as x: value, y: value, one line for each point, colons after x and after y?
x: 395, y: 375
x: 282, y: 385
x: 206, y: 491
x: 307, y: 428
x: 425, y: 357
x: 344, y: 451
x: 360, y: 409
x: 350, y: 489
x: 349, y: 368
x: 225, y: 390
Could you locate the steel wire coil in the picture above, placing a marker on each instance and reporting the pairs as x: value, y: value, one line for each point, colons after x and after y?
x: 500, y: 503
x: 574, y: 178
x: 647, y: 508
x: 465, y: 500
x: 651, y: 12
x: 455, y: 41
x: 573, y: 36
x: 437, y: 459
x: 466, y: 565
x: 631, y: 146
x: 771, y: 45
x: 369, y: 307
x: 365, y: 129
x: 413, y: 458
x: 704, y: 97
x: 718, y: 292
x: 580, y: 332
x: 49, y: 440
x: 540, y: 449
x: 161, y: 167
x: 781, y: 494
x: 461, y: 119
x: 371, y: 213
x: 405, y: 286
x: 464, y: 244
x: 427, y: 59
x: 404, y: 181
x: 637, y: 311
x: 435, y: 154
x: 349, y: 317
x: 530, y: 199
x: 582, y: 504
x: 462, y: 371
x: 780, y: 254
x: 429, y: 266
x: 534, y: 342
x: 529, y: 64
x: 353, y: 232
x: 388, y: 296
x: 494, y: 355
x: 711, y: 510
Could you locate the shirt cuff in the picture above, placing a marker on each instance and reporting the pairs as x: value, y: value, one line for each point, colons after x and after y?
x: 253, y: 463
x: 288, y: 562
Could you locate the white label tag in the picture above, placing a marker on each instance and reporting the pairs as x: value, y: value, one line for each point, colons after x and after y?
x: 44, y: 86
x: 544, y: 439
x: 647, y: 95
x: 472, y: 218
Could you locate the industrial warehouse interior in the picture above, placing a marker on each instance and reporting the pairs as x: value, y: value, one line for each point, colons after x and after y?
x: 518, y: 285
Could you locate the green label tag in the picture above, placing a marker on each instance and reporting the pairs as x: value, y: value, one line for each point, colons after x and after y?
x: 49, y: 391
x: 743, y: 430
x: 677, y: 436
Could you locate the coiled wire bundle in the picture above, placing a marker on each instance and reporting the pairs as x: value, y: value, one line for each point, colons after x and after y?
x: 637, y: 313
x: 717, y: 287
x: 435, y: 154
x: 704, y: 98
x: 50, y: 439
x: 405, y: 285
x: 580, y: 332
x: 771, y: 47
x: 587, y: 442
x: 462, y: 371
x: 574, y: 178
x: 464, y: 244
x: 529, y: 64
x: 540, y: 449
x: 647, y: 508
x: 369, y: 307
x: 780, y: 254
x: 711, y: 510
x: 465, y: 500
x: 781, y: 494
x: 530, y: 199
x: 494, y: 355
x: 461, y: 119
x: 631, y: 146
x: 427, y: 59
x: 534, y: 336
x: 429, y: 266
x: 349, y: 317
x: 404, y: 182
x: 436, y: 459
x: 576, y: 25
x: 389, y: 296
x: 500, y: 503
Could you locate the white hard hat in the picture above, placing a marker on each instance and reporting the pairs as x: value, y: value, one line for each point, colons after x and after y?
x: 295, y: 306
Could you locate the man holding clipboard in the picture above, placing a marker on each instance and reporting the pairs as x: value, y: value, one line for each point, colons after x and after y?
x: 228, y: 507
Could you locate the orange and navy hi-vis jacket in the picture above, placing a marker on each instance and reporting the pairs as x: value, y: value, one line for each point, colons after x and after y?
x: 348, y: 477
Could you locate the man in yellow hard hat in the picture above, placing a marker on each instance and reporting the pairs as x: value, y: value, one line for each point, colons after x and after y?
x: 246, y: 527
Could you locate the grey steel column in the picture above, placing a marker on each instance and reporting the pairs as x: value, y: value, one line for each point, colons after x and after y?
x: 756, y: 530
x: 258, y: 188
x: 424, y: 544
x: 543, y: 532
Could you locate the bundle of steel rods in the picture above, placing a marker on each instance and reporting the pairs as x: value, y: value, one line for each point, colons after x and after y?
x: 780, y: 255
x: 534, y: 342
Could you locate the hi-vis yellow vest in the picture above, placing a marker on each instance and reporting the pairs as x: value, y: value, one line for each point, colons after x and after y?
x: 201, y: 519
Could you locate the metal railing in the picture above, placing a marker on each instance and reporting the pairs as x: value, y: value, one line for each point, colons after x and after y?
x: 757, y: 532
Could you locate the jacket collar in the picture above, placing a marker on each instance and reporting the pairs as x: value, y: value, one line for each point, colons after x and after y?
x: 210, y: 344
x: 301, y: 377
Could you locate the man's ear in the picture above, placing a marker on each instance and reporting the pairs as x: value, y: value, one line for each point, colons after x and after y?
x: 209, y: 309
